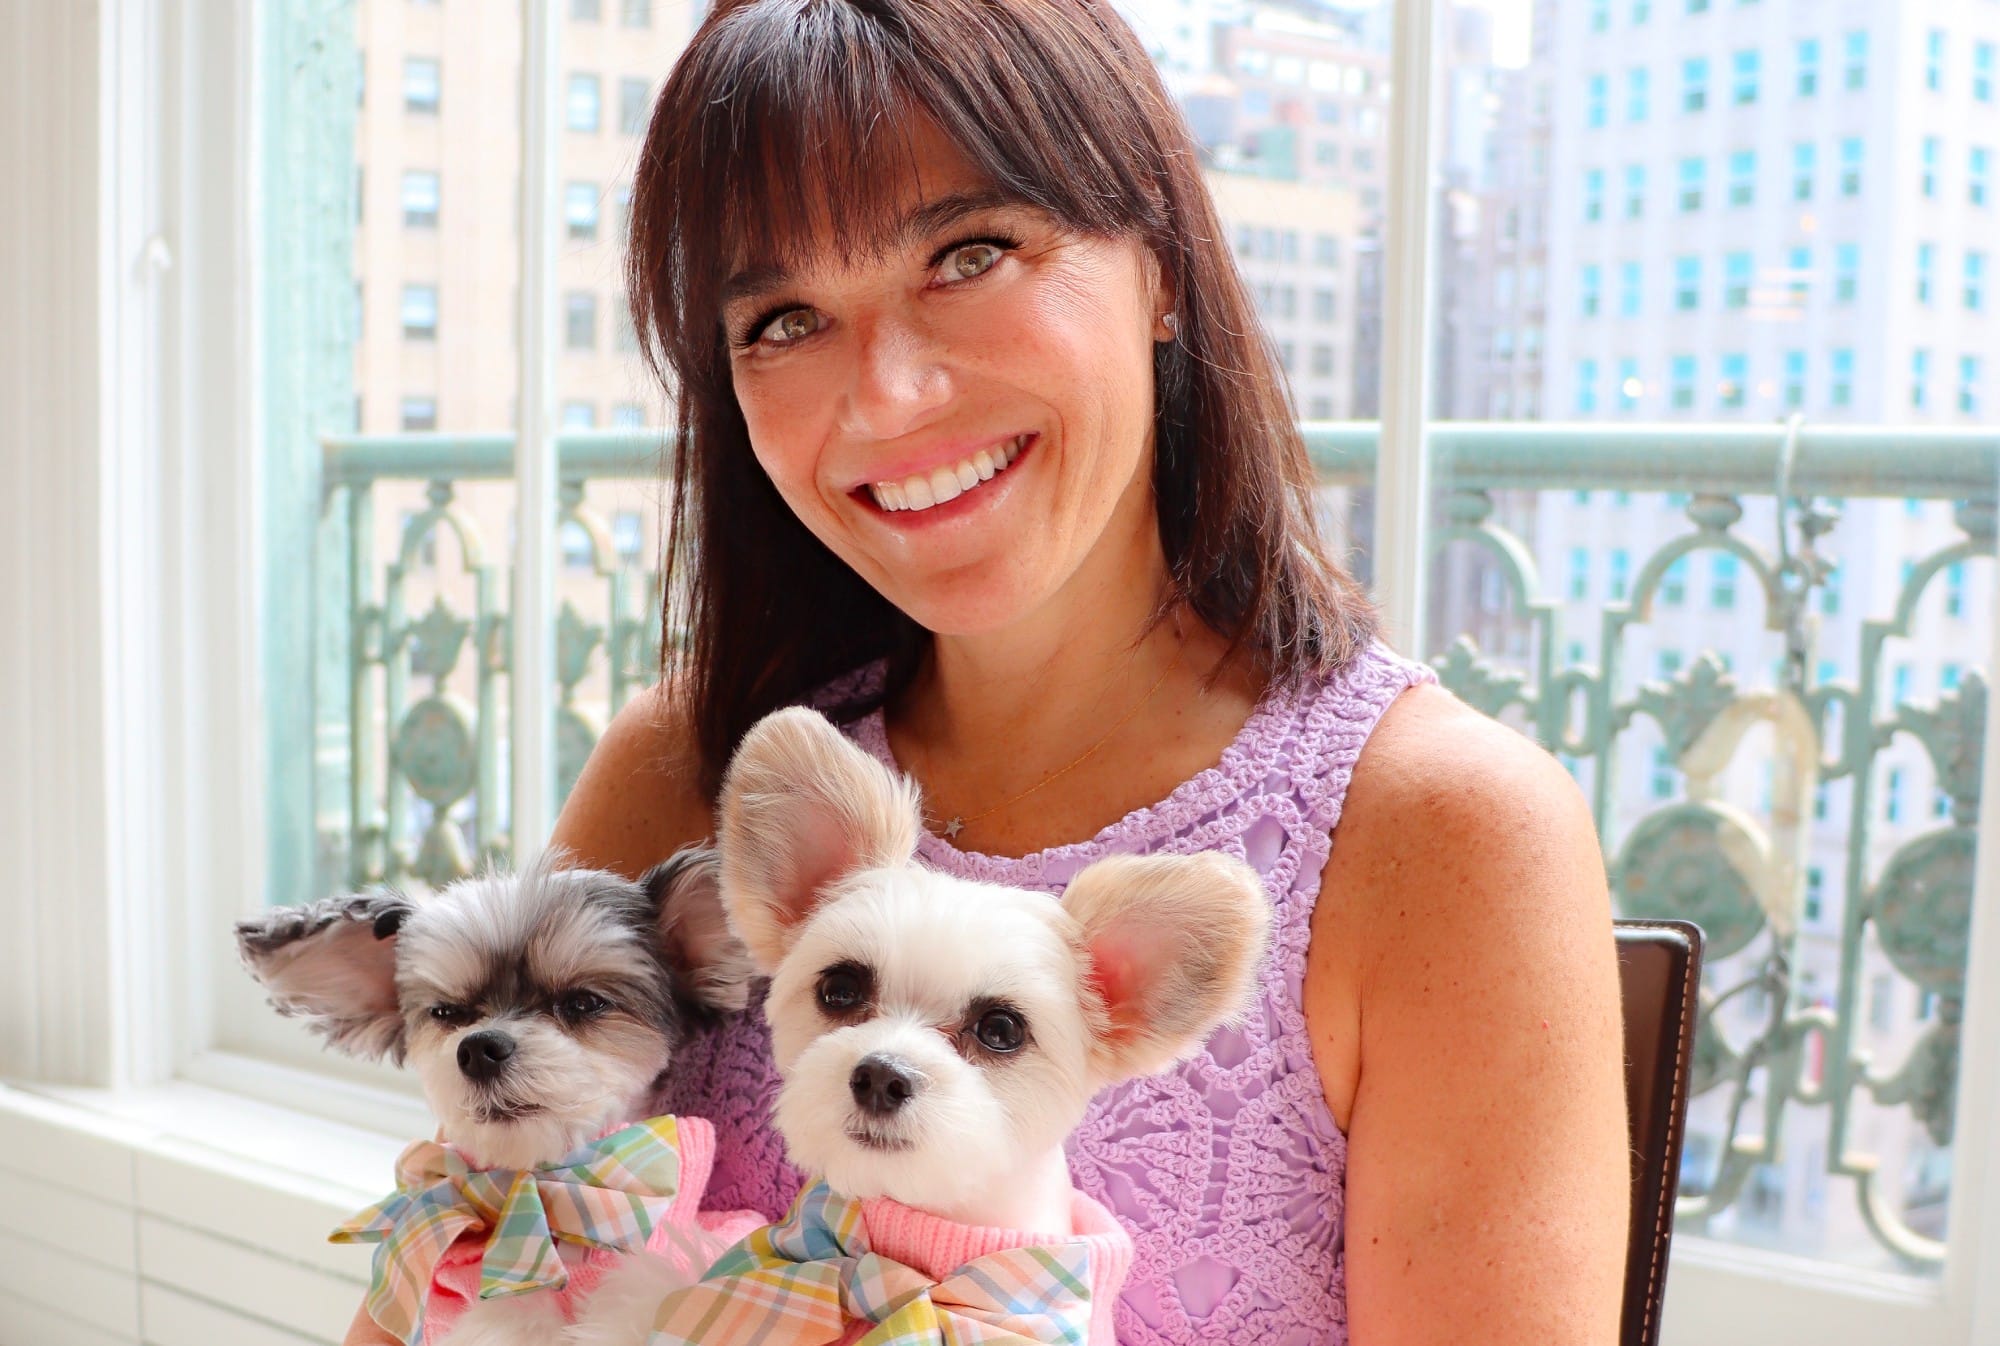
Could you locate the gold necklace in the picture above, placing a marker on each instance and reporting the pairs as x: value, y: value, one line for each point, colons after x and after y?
x: 958, y: 822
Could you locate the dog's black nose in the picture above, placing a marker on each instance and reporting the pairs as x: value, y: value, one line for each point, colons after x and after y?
x: 483, y: 1055
x: 881, y: 1083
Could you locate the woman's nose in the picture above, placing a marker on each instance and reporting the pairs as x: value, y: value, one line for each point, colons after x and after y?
x: 899, y: 381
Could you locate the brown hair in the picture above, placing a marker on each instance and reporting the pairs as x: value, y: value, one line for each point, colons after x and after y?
x: 778, y: 107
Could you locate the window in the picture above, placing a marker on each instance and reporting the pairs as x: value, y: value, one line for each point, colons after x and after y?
x: 420, y: 312
x: 1949, y: 676
x: 1586, y: 388
x: 1322, y: 361
x: 581, y: 108
x: 1642, y: 10
x: 1920, y: 376
x: 1326, y: 250
x: 1926, y: 260
x: 1854, y: 67
x: 420, y: 413
x: 1795, y: 380
x: 1804, y: 154
x: 1687, y: 283
x: 1954, y: 606
x: 1846, y: 273
x: 1975, y: 281
x: 1745, y: 67
x: 420, y: 199
x: 1579, y: 573
x: 1593, y: 282
x: 1694, y: 173
x: 1850, y: 166
x: 1630, y: 385
x: 1807, y: 82
x: 1694, y: 84
x: 1600, y: 15
x: 586, y: 11
x: 1722, y: 571
x: 422, y: 84
x: 634, y: 101
x: 1968, y: 384
x: 1979, y: 168
x: 1681, y: 382
x: 1829, y: 595
x: 1593, y: 194
x: 1661, y: 785
x: 1743, y: 177
x: 1842, y: 391
x: 579, y: 415
x: 1629, y: 289
x: 636, y: 13
x: 1621, y: 574
x: 628, y: 416
x: 1323, y: 309
x: 628, y: 531
x: 1798, y: 278
x: 1635, y: 191
x: 1892, y: 803
x: 1983, y: 64
x: 1734, y: 387
x: 1934, y: 60
x: 1596, y: 92
x: 1638, y: 94
x: 1674, y: 585
x: 580, y: 211
x: 580, y: 321
x: 1927, y: 182
x: 1736, y: 268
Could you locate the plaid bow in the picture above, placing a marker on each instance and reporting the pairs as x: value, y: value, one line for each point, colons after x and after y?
x: 612, y: 1193
x: 804, y: 1281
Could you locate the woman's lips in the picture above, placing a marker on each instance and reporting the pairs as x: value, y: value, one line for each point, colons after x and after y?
x: 941, y: 485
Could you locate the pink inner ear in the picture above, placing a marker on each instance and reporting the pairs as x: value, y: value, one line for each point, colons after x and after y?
x: 1116, y: 974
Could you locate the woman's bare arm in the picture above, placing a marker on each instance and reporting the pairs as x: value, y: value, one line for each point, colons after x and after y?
x: 1463, y: 976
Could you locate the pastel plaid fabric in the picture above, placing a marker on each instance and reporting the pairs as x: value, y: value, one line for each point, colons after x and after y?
x: 611, y: 1193
x: 809, y: 1279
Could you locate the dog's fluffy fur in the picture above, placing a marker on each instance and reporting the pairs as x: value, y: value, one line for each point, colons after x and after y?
x: 878, y: 964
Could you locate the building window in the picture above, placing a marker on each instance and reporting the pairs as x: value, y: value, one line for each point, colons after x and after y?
x: 1975, y: 281
x: 1920, y: 377
x: 1642, y: 10
x: 1798, y: 277
x: 1694, y: 174
x: 422, y: 84
x: 1579, y: 573
x: 628, y: 533
x: 1808, y: 67
x: 580, y: 211
x: 579, y: 415
x: 636, y: 13
x: 1681, y: 383
x: 1745, y: 67
x: 1722, y: 573
x: 1934, y: 60
x: 1621, y: 574
x: 1815, y: 894
x: 1600, y: 15
x: 1736, y: 268
x: 1694, y: 84
x: 420, y: 312
x: 1326, y: 250
x: 1638, y: 94
x: 1322, y: 361
x: 1323, y: 309
x: 1979, y: 168
x: 1687, y: 284
x: 1795, y: 380
x: 1968, y: 384
x: 1850, y: 166
x: 583, y: 106
x: 628, y: 416
x: 1735, y: 384
x: 624, y: 337
x: 1854, y: 66
x: 1629, y: 385
x: 420, y: 199
x: 1954, y: 606
x: 420, y: 413
x: 1586, y: 387
x: 634, y: 102
x: 1743, y: 177
x: 1635, y: 191
x: 1842, y: 392
x: 1846, y: 273
x: 1593, y: 194
x: 1661, y: 786
x: 1804, y: 155
x: 1983, y: 64
x: 1926, y: 260
x: 1927, y: 181
x: 1892, y: 802
x: 1593, y: 278
x: 1829, y: 594
x: 1596, y: 93
x: 1629, y: 289
x: 580, y: 321
x: 586, y: 11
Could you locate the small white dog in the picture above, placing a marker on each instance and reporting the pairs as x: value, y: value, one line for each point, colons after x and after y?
x: 539, y: 1009
x: 938, y: 1039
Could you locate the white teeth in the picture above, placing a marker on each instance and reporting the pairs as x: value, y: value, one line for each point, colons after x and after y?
x: 946, y: 483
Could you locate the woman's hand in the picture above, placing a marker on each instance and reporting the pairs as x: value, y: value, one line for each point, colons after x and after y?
x: 1462, y: 953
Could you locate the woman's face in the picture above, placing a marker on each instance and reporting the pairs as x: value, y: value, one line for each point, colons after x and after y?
x: 964, y: 413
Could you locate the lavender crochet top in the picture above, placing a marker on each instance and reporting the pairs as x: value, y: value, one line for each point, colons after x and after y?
x: 1228, y: 1169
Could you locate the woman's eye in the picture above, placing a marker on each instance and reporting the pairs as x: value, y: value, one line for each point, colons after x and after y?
x: 577, y: 1005
x: 970, y: 261
x: 842, y: 989
x: 1001, y: 1030
x: 791, y: 325
x: 454, y: 1016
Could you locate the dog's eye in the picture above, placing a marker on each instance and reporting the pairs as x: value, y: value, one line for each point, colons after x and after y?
x: 843, y: 988
x: 454, y: 1016
x: 1001, y: 1030
x: 579, y: 1005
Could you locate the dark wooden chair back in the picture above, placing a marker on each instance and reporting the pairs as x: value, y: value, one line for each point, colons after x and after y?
x: 1659, y: 972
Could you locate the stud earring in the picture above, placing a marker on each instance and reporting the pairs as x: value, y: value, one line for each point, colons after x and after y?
x: 1172, y: 322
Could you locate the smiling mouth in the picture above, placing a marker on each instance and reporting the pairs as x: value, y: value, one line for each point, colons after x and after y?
x: 871, y: 1140
x: 925, y: 490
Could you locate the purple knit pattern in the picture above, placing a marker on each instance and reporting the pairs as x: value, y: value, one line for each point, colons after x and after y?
x: 1228, y: 1169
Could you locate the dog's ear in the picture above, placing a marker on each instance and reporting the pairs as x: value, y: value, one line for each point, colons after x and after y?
x: 801, y: 808
x: 1173, y: 944
x: 333, y: 963
x: 711, y: 967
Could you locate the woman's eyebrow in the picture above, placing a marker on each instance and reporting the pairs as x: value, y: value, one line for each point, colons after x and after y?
x: 918, y: 222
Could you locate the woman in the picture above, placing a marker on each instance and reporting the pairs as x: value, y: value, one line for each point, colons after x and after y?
x: 972, y: 408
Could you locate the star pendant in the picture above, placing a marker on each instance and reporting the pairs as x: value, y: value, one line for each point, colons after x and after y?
x: 951, y: 828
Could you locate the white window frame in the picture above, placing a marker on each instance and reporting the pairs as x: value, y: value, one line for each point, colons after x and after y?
x: 137, y: 809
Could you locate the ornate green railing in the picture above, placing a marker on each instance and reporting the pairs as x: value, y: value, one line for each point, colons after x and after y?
x: 415, y: 668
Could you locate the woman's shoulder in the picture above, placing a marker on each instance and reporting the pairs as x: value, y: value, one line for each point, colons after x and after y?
x: 638, y: 798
